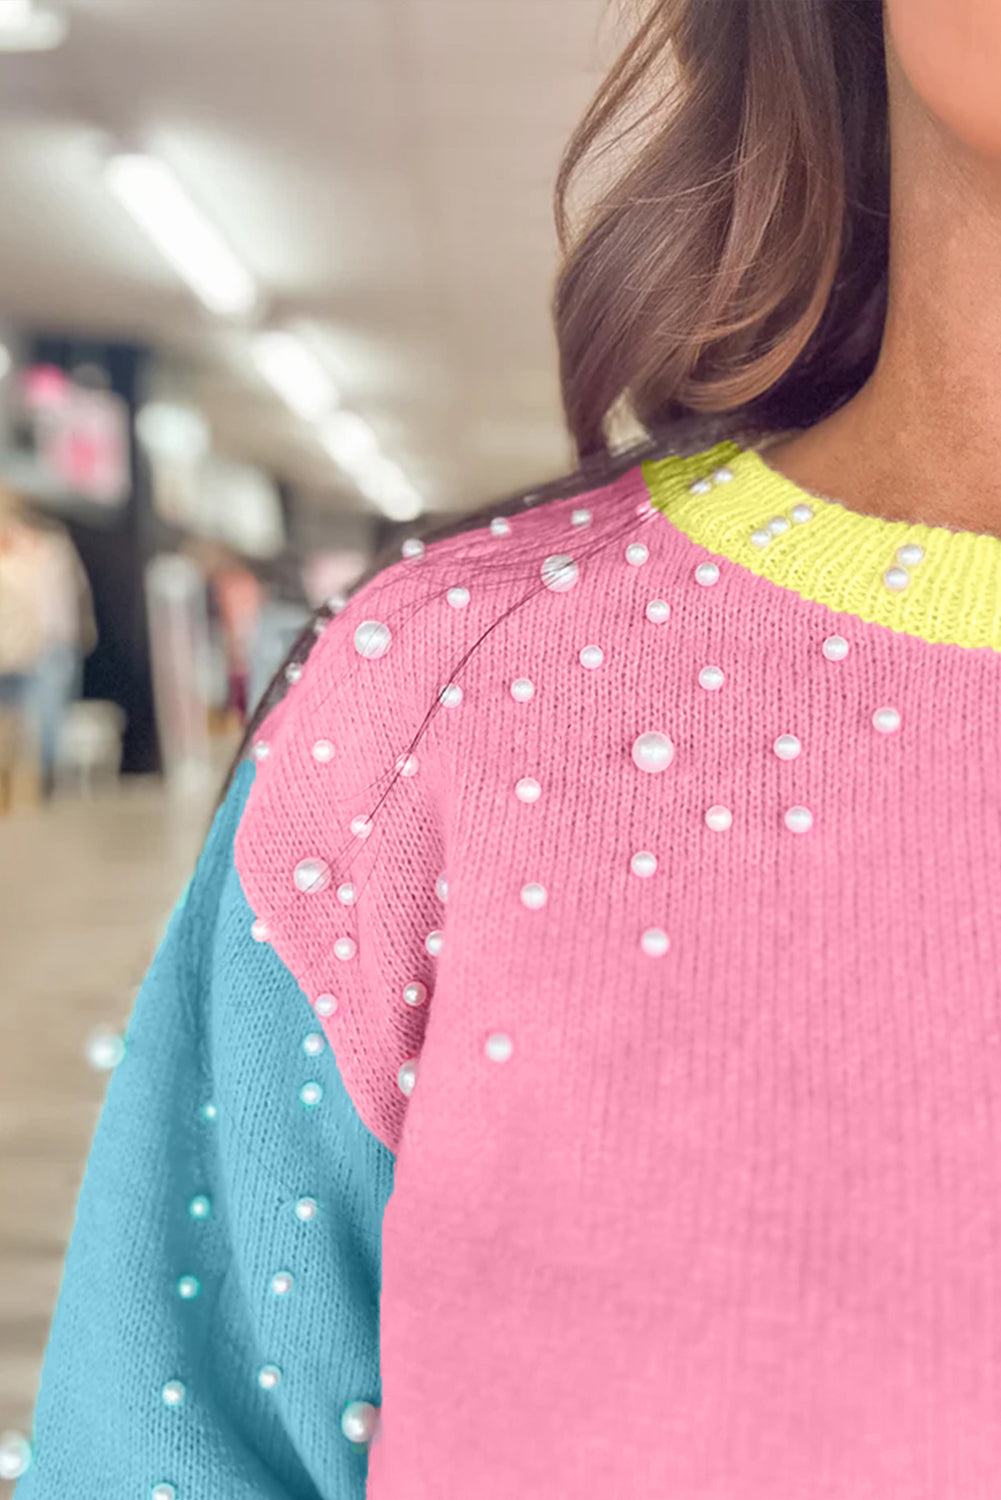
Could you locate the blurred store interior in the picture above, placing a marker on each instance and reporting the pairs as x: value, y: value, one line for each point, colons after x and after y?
x: 274, y: 288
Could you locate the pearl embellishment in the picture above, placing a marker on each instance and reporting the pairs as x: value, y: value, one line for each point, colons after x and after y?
x: 311, y: 875
x: 413, y: 548
x: 835, y: 648
x: 801, y: 514
x: 313, y: 1044
x: 458, y: 598
x: 188, y: 1287
x: 281, y: 1283
x: 163, y: 1492
x: 896, y: 579
x: 499, y: 1047
x: 293, y: 672
x: 268, y: 1377
x: 346, y: 894
x: 707, y: 574
x: 799, y: 820
x: 305, y: 1209
x: 522, y: 690
x: 173, y: 1393
x: 580, y: 517
x: 653, y: 751
x: 655, y: 942
x: 528, y: 790
x: 658, y: 611
x: 323, y: 751
x: 441, y: 888
x: 643, y: 864
x: 711, y: 678
x: 592, y: 656
x: 260, y: 931
x: 533, y: 895
x: 415, y: 993
x: 637, y: 554
x: 325, y: 1005
x: 559, y: 572
x: 719, y: 819
x: 406, y: 1078
x: 358, y: 1421
x: 500, y: 526
x: 200, y: 1207
x: 372, y: 639
x: 262, y: 750
x: 310, y: 1094
x: 910, y: 554
x: 451, y: 696
x: 886, y: 720
x: 345, y: 948
x: 361, y: 826
x: 434, y: 942
x: 787, y: 747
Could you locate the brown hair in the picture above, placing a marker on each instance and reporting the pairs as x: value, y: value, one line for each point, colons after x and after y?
x: 731, y: 278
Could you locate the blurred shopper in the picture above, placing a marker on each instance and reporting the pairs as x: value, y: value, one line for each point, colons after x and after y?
x: 574, y: 1071
x: 69, y: 634
x: 22, y: 633
x: 237, y: 596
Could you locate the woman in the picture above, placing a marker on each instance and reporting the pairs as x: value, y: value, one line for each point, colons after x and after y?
x: 636, y: 851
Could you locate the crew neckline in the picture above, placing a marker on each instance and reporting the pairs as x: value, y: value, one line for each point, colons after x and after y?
x: 941, y: 585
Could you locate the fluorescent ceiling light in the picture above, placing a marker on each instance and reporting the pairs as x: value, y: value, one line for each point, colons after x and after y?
x: 349, y: 440
x: 386, y: 484
x: 5, y: 361
x: 151, y: 193
x: 296, y: 374
x: 23, y: 28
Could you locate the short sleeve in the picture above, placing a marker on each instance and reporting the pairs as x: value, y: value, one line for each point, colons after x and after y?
x: 341, y: 849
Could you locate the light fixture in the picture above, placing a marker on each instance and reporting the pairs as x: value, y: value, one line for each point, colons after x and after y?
x: 301, y: 380
x: 6, y: 361
x: 169, y: 430
x: 151, y: 193
x: 25, y: 27
x: 348, y: 439
x: 389, y: 488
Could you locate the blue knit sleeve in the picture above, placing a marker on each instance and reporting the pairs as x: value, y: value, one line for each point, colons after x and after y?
x: 219, y: 1302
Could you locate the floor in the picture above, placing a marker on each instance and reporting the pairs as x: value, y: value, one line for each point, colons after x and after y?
x: 86, y: 887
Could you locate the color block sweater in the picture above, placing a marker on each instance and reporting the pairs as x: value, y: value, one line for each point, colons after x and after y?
x: 597, y: 992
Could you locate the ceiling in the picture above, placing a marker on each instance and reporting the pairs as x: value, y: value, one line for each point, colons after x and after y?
x: 383, y: 167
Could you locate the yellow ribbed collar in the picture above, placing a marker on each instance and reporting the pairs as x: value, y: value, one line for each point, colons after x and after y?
x: 927, y: 581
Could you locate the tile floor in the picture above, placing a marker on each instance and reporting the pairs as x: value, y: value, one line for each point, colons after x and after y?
x: 86, y: 888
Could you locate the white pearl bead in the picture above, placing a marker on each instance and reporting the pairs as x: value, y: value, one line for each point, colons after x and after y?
x: 559, y: 572
x: 499, y: 1047
x: 522, y: 689
x: 644, y: 863
x: 406, y: 1078
x: 359, y: 1421
x: 722, y: 474
x: 658, y: 611
x: 345, y: 948
x: 311, y: 875
x: 105, y: 1050
x: 787, y: 747
x: 777, y: 525
x: 293, y: 672
x: 261, y: 750
x: 910, y: 554
x: 268, y: 1377
x: 260, y: 931
x: 896, y: 579
x: 653, y: 751
x: 637, y: 554
x: 325, y: 1005
x: 372, y: 639
x: 799, y: 820
x: 319, y: 626
x: 361, y: 826
x: 173, y: 1393
x: 801, y: 514
x: 458, y: 598
x: 310, y: 1094
x: 413, y: 548
x: 305, y: 1209
x: 760, y: 538
x: 707, y: 574
x: 580, y: 517
x: 592, y: 656
x: 719, y: 819
x: 407, y: 765
x: 415, y: 993
x: 886, y: 720
x: 163, y: 1492
x: 500, y: 526
x: 208, y: 1111
x: 451, y: 696
x: 434, y: 942
x: 200, y: 1207
x: 533, y: 895
x: 441, y: 888
x: 700, y: 486
x: 336, y: 603
x: 15, y: 1455
x: 835, y: 648
x: 528, y: 789
x: 281, y: 1283
x: 655, y: 942
x: 188, y: 1288
x: 346, y: 894
x: 323, y: 751
x: 313, y: 1044
x: 711, y: 678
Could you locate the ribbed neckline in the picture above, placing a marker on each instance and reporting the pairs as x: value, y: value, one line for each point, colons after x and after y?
x: 927, y: 581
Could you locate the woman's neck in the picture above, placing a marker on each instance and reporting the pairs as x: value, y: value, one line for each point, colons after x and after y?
x: 921, y: 441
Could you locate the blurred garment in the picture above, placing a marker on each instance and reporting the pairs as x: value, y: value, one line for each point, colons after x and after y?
x: 238, y: 597
x: 69, y: 633
x: 22, y: 631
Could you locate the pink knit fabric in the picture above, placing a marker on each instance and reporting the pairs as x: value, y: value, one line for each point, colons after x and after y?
x: 726, y: 1223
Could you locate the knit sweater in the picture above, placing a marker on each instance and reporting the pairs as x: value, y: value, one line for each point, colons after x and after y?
x: 637, y: 857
